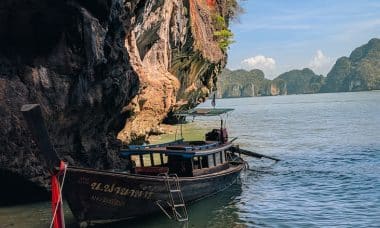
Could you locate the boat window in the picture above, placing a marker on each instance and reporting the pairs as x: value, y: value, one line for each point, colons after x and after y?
x: 136, y: 160
x: 156, y: 159
x: 165, y: 159
x: 218, y: 158
x: 196, y: 163
x: 147, y: 161
x: 211, y: 160
x: 204, y: 161
x: 223, y: 156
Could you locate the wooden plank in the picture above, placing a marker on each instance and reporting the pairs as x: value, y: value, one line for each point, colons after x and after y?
x: 141, y: 160
x: 151, y: 159
x: 253, y: 154
x: 162, y: 159
x: 204, y: 171
x: 36, y: 124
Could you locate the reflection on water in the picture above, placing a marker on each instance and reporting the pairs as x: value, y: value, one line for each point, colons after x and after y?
x: 329, y: 175
x: 31, y: 215
x: 219, y: 210
x: 216, y: 211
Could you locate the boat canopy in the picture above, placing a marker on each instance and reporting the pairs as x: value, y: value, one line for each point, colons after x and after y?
x: 204, y: 112
x: 186, y: 151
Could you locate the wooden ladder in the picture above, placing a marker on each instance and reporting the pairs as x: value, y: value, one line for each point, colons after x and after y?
x: 176, y: 201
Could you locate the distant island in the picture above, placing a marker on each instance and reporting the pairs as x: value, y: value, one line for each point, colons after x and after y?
x: 358, y: 72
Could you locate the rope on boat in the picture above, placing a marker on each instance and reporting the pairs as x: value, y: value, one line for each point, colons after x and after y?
x: 60, y: 202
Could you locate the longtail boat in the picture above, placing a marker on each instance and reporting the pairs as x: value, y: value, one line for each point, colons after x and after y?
x: 162, y: 177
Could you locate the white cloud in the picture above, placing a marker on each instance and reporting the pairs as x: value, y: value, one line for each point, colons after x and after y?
x: 266, y: 64
x: 320, y: 63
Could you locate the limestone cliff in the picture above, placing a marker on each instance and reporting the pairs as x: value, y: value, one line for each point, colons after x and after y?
x: 68, y: 56
x: 360, y: 71
x: 174, y: 52
x: 242, y: 83
x: 97, y: 67
x: 299, y: 82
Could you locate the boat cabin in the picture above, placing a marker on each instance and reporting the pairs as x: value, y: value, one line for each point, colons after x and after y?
x: 185, y: 159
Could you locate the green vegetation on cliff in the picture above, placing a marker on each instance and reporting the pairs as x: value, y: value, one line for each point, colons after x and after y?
x: 222, y: 33
x: 359, y: 72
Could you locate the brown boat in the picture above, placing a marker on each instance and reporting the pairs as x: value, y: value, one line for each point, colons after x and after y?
x: 163, y: 177
x: 99, y: 196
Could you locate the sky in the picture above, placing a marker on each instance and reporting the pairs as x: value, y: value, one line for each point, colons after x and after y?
x: 281, y: 35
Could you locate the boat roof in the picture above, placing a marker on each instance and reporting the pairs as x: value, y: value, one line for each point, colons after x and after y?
x: 204, y: 112
x: 147, y: 146
x: 183, y: 150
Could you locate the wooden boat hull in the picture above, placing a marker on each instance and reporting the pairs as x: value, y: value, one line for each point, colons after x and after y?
x: 100, y: 196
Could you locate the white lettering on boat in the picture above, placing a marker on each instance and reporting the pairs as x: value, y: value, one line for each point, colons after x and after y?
x: 122, y: 191
x: 108, y: 201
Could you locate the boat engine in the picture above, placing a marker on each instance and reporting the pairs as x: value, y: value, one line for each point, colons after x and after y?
x: 220, y: 135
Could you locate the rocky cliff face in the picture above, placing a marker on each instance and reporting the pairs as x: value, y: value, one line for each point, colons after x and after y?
x: 97, y: 67
x: 173, y: 50
x: 68, y: 56
x: 361, y: 71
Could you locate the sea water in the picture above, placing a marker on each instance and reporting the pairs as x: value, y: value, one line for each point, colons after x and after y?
x: 328, y: 176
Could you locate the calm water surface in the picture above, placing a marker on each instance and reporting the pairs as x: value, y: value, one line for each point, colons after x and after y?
x: 329, y: 175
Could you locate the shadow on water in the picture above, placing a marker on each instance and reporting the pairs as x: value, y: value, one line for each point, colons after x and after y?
x: 12, y: 190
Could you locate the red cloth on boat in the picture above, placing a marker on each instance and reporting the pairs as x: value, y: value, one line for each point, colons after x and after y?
x: 56, y: 203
